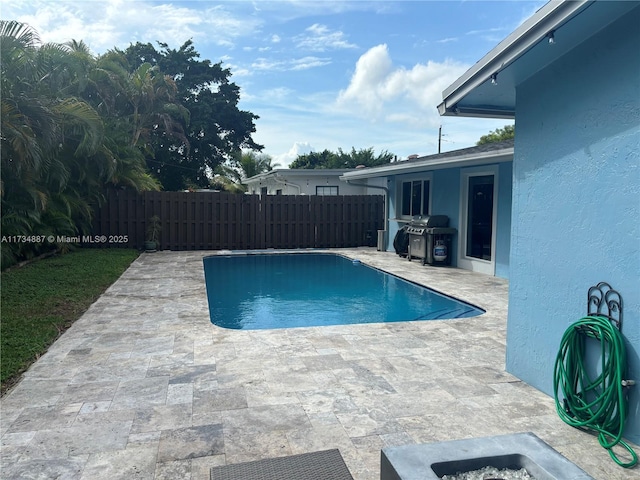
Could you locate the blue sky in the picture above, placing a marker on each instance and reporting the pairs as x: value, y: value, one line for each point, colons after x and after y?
x: 320, y: 74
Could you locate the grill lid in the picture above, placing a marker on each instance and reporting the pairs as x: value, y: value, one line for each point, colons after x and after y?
x: 429, y: 221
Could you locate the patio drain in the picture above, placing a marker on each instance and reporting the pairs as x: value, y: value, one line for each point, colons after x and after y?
x: 514, y: 452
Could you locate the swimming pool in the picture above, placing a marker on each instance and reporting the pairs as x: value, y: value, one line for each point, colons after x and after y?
x: 279, y: 290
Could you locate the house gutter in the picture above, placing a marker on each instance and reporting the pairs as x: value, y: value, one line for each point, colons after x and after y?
x: 280, y: 181
x: 549, y: 18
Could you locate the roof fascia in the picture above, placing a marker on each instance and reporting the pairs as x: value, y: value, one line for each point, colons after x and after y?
x: 548, y: 18
x: 404, y: 167
x: 314, y: 172
x: 295, y: 172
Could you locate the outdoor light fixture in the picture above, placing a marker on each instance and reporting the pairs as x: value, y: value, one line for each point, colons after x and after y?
x: 494, y: 79
x: 551, y: 37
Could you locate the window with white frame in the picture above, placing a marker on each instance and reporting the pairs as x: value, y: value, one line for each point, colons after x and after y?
x: 414, y: 197
x: 328, y: 190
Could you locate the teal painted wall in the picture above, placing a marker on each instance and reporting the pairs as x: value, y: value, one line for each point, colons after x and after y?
x: 503, y: 235
x: 445, y: 200
x: 576, y: 201
x: 392, y: 213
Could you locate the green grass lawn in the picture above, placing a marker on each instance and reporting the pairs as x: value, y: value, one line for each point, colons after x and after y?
x: 41, y: 300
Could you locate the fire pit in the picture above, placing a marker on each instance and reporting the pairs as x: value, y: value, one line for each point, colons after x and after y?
x: 521, y: 450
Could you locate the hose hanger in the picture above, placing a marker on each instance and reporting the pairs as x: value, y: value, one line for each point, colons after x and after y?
x: 604, y: 301
x: 596, y: 402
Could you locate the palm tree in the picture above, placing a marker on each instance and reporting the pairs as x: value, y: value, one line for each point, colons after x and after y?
x: 141, y: 107
x: 246, y: 165
x: 152, y: 97
x: 40, y: 127
x: 28, y: 126
x: 72, y: 124
x: 252, y: 164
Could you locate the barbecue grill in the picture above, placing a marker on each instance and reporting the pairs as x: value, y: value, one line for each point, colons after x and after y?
x: 430, y: 239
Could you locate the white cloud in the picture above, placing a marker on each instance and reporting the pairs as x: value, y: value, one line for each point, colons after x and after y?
x: 303, y: 63
x: 309, y: 62
x: 119, y: 23
x: 275, y: 39
x: 319, y: 38
x: 447, y: 40
x: 490, y: 35
x: 380, y: 91
x: 278, y: 94
x: 288, y: 10
x: 372, y: 69
x: 486, y: 30
x: 298, y: 148
x: 265, y: 64
x: 238, y: 71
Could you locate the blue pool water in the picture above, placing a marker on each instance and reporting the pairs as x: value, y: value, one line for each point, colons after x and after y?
x: 260, y: 291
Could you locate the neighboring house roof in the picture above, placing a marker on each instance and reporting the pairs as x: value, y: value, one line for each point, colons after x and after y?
x: 465, y: 157
x: 523, y: 53
x: 296, y: 172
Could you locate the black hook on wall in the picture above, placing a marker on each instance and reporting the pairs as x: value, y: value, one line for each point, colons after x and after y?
x: 604, y: 301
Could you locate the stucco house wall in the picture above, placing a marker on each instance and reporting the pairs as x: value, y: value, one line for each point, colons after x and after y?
x: 505, y: 207
x: 301, y: 182
x: 576, y: 201
x: 376, y: 186
x: 446, y: 200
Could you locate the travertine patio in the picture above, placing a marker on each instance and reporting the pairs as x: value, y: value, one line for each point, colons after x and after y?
x: 143, y: 386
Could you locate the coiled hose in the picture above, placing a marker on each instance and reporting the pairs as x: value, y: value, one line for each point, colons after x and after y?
x: 598, y: 404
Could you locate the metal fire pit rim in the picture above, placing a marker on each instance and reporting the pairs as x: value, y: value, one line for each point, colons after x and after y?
x: 414, y: 462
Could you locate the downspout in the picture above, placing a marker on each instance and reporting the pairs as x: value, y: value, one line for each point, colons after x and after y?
x: 386, y: 200
x: 285, y: 183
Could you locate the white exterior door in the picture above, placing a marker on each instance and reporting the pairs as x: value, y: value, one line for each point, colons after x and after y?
x: 478, y: 216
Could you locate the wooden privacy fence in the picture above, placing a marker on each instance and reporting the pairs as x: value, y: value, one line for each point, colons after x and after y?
x: 221, y: 221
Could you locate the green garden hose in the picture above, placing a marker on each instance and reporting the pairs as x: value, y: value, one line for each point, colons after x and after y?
x: 598, y: 404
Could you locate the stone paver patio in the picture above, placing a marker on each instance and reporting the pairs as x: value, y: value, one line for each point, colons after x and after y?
x: 143, y: 386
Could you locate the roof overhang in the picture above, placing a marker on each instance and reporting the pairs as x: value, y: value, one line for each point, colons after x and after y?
x: 430, y: 163
x: 488, y: 88
x: 296, y: 172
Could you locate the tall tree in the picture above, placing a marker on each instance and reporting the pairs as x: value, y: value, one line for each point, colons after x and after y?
x: 364, y: 156
x: 498, y: 135
x: 139, y: 106
x: 341, y: 159
x: 218, y: 130
x: 312, y: 160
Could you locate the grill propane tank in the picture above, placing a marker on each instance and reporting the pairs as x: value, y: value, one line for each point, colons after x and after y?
x: 440, y: 251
